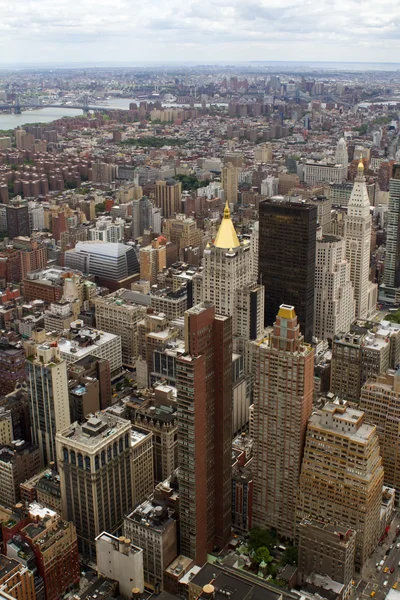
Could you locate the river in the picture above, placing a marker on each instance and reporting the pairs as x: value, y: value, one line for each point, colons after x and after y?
x: 47, y: 115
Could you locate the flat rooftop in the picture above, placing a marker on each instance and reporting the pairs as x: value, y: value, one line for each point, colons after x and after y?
x: 95, y: 430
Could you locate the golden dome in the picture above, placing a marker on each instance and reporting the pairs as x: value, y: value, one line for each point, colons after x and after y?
x: 226, y: 236
x: 361, y: 165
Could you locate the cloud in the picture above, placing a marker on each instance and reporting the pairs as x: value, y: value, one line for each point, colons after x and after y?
x: 228, y: 30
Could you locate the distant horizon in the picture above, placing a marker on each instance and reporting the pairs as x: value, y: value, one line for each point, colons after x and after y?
x: 193, y: 63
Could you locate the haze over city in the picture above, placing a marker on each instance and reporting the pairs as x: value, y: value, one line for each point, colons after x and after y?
x: 200, y: 31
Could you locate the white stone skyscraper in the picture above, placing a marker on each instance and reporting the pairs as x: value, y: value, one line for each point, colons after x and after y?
x: 228, y: 266
x: 335, y: 307
x: 357, y: 233
x: 341, y: 155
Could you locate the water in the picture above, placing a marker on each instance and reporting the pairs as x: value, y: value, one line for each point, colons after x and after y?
x: 47, y: 115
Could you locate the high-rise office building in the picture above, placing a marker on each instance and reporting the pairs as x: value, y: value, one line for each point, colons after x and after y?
x: 48, y: 398
x: 142, y: 216
x: 118, y: 313
x: 355, y: 358
x: 227, y: 268
x: 153, y: 259
x: 105, y: 468
x: 341, y: 155
x: 380, y: 401
x: 204, y: 397
x: 18, y: 220
x: 357, y: 234
x: 391, y: 275
x: 183, y: 232
x: 283, y: 392
x: 168, y: 197
x: 335, y: 308
x: 287, y: 260
x: 229, y: 176
x: 342, y: 475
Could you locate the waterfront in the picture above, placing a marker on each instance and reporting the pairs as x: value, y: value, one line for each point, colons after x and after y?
x: 47, y: 115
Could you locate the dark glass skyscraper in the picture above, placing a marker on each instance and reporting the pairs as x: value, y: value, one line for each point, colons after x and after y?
x: 287, y: 259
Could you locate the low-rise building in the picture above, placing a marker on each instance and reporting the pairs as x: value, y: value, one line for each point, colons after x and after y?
x: 119, y: 559
x: 151, y: 527
x: 17, y: 463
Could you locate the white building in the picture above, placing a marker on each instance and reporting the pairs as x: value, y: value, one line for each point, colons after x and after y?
x: 335, y: 307
x: 108, y: 230
x: 86, y: 340
x: 320, y: 171
x: 48, y: 397
x: 119, y: 559
x: 341, y: 155
x: 36, y: 215
x: 358, y: 246
x: 227, y: 267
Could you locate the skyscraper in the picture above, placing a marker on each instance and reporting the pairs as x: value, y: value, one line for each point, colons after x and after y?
x: 342, y: 475
x: 48, y: 396
x: 168, y: 197
x: 229, y: 177
x: 18, y: 220
x: 380, y: 400
x: 142, y: 216
x: 204, y: 397
x: 358, y: 246
x: 341, y: 155
x: 335, y: 306
x: 105, y: 467
x: 391, y: 275
x: 283, y: 393
x: 287, y: 259
x: 227, y: 267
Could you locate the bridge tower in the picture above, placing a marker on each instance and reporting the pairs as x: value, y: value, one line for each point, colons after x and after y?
x: 17, y: 106
x: 85, y: 104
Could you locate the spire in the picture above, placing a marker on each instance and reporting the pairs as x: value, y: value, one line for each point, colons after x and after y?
x: 226, y: 236
x: 360, y: 169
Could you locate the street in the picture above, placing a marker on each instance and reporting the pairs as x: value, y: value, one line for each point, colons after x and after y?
x: 372, y: 581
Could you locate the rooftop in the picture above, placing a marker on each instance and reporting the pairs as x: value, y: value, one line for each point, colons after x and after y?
x: 92, y: 434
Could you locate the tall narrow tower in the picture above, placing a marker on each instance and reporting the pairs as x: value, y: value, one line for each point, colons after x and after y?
x: 204, y: 398
x: 283, y: 393
x: 48, y: 397
x: 391, y: 275
x: 341, y: 155
x: 358, y: 246
x: 230, y: 183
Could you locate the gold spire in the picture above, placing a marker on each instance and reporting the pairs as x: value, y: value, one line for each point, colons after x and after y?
x: 226, y: 236
x: 361, y: 165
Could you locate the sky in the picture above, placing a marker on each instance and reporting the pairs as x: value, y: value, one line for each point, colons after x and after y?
x: 94, y: 31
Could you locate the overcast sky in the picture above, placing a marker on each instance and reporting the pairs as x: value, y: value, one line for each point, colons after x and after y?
x: 198, y: 30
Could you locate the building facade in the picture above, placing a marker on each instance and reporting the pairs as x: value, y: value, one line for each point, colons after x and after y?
x: 335, y: 306
x: 357, y: 234
x: 287, y: 249
x: 204, y: 397
x: 283, y: 393
x: 342, y: 475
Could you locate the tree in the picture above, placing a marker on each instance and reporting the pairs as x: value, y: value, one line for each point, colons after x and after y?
x: 261, y: 537
x: 262, y: 554
x: 291, y: 555
x: 100, y: 207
